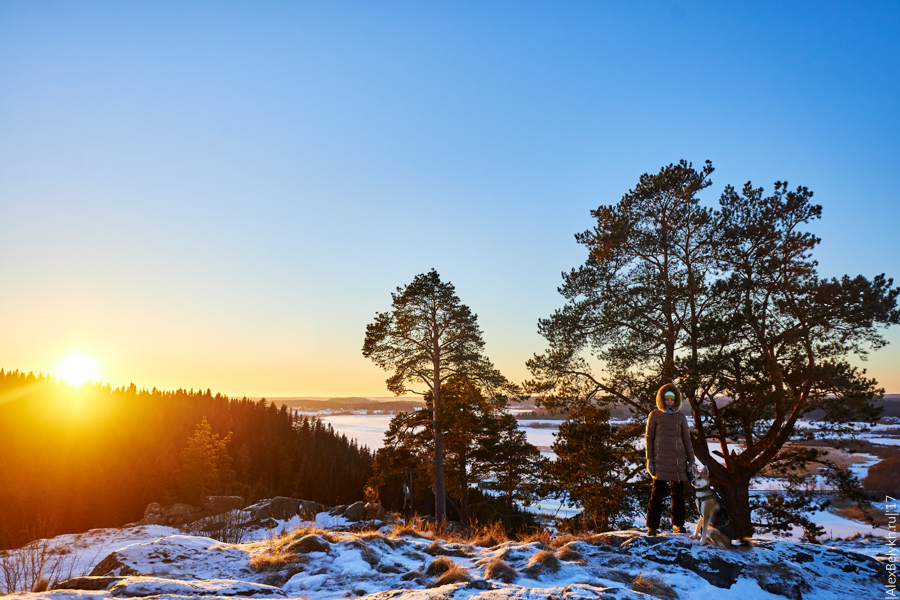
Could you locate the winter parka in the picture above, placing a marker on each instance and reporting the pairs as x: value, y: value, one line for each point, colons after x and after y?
x: 668, y: 439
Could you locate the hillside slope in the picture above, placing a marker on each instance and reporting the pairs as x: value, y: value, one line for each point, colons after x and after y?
x: 323, y: 563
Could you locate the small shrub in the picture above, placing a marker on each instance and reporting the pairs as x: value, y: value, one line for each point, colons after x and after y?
x: 226, y: 527
x: 499, y: 569
x: 41, y: 585
x: 39, y: 563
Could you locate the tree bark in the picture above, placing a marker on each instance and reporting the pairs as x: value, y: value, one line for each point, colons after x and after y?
x: 735, y: 497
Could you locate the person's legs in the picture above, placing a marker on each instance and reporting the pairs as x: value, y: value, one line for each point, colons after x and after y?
x: 678, y: 504
x: 654, y: 510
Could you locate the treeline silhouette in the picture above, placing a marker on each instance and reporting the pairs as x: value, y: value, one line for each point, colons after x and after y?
x: 93, y: 456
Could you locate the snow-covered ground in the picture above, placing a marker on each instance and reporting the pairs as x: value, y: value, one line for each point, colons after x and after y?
x: 314, y: 561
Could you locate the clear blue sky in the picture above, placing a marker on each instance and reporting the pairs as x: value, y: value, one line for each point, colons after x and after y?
x: 223, y: 194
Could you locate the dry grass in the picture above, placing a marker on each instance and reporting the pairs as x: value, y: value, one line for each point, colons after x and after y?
x: 499, y: 569
x: 542, y: 562
x: 653, y: 587
x: 286, y: 549
x: 438, y: 566
x: 377, y: 536
x: 564, y: 538
x: 455, y: 574
x: 414, y: 528
x: 489, y: 536
x: 437, y: 548
x: 274, y: 557
x: 570, y: 554
x: 544, y: 537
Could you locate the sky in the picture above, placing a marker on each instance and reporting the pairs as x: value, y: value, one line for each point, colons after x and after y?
x: 223, y: 194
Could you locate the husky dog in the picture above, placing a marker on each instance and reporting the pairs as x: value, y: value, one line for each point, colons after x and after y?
x: 714, y: 524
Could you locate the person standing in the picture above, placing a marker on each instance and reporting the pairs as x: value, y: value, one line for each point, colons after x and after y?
x: 669, y: 457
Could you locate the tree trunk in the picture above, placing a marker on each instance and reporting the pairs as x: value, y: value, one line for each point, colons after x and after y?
x: 440, y: 498
x: 464, y: 506
x: 735, y: 497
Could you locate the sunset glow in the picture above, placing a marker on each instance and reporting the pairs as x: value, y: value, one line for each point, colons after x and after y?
x: 77, y: 369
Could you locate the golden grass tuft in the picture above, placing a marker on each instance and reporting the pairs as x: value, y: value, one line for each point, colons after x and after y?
x: 489, y: 536
x: 542, y: 562
x: 310, y: 529
x: 274, y: 557
x: 653, y: 587
x: 455, y: 574
x: 569, y: 553
x: 543, y: 537
x: 499, y: 569
x: 414, y: 528
x: 562, y: 539
x: 438, y: 566
x: 377, y: 536
x: 437, y: 548
x: 287, y: 548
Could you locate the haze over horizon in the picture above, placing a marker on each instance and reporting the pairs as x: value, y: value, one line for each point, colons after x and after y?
x: 223, y: 194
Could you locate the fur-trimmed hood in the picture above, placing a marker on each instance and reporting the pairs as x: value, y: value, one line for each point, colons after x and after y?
x: 661, y: 405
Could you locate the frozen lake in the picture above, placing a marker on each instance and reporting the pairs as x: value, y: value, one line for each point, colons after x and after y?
x: 369, y: 430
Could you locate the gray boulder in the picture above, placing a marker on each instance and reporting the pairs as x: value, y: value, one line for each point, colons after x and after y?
x: 278, y: 507
x: 355, y: 512
x: 216, y: 505
x: 309, y: 509
x: 173, y: 515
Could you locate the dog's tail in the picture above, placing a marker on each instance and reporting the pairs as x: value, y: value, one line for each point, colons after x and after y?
x: 746, y: 544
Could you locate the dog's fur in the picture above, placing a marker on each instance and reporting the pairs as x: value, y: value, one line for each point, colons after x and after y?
x: 705, y: 532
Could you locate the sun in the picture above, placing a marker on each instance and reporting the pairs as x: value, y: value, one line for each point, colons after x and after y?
x: 77, y: 369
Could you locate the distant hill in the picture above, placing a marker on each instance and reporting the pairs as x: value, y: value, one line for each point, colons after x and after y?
x: 620, y: 411
x: 313, y: 404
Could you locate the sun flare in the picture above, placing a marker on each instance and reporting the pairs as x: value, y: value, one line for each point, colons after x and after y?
x: 77, y: 369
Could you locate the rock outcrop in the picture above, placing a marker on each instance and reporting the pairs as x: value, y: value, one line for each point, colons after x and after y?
x: 620, y: 565
x: 177, y: 515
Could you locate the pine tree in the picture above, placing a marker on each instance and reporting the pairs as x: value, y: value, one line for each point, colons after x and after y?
x: 205, y: 465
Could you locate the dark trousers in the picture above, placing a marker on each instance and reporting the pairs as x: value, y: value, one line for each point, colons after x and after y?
x: 660, y: 489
